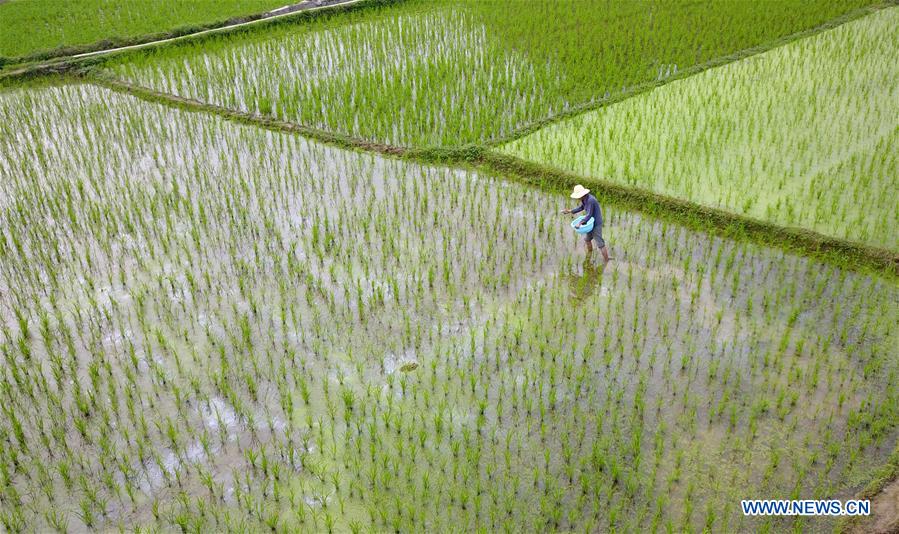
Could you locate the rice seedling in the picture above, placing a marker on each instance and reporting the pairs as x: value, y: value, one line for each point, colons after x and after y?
x: 790, y: 136
x: 438, y: 73
x: 208, y: 327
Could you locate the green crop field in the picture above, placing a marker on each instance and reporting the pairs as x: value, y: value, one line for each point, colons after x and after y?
x: 803, y: 135
x: 450, y: 73
x: 212, y: 327
x: 371, y: 315
x: 29, y: 27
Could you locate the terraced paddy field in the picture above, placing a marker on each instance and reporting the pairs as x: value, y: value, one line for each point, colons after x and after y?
x: 211, y: 323
x: 209, y: 326
x: 448, y: 73
x: 803, y: 135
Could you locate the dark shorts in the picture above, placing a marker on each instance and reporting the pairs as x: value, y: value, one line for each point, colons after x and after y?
x: 595, y: 235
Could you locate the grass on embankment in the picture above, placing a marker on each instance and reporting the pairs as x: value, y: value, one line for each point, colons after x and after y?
x: 719, y: 222
x: 40, y: 29
x: 882, y: 478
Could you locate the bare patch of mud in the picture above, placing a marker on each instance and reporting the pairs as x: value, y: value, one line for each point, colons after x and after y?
x: 884, y: 518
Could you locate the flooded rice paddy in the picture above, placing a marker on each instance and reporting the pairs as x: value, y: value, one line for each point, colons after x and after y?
x: 791, y: 136
x: 450, y: 72
x: 210, y: 327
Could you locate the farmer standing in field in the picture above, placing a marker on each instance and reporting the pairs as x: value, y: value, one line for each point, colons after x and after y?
x: 590, y: 207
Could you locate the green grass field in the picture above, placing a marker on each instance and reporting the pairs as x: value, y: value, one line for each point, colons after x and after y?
x: 803, y: 135
x: 36, y: 26
x: 450, y: 73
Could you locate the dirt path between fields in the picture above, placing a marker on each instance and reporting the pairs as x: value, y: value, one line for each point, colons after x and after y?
x: 884, y: 518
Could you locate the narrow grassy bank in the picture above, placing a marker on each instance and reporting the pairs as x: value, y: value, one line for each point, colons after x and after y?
x: 42, y: 30
x: 65, y: 58
x: 836, y: 251
x: 882, y: 478
x: 269, y: 123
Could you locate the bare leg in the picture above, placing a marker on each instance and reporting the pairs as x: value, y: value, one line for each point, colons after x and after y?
x: 605, y: 253
x: 589, y: 248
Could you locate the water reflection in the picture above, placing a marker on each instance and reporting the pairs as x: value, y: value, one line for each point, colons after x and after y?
x: 587, y: 284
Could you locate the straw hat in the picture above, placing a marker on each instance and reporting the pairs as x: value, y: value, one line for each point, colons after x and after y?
x: 579, y: 191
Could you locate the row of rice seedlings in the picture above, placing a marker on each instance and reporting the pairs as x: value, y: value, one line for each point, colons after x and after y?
x: 207, y: 327
x: 451, y: 73
x: 134, y: 270
x: 759, y: 387
x: 338, y: 79
x: 791, y: 136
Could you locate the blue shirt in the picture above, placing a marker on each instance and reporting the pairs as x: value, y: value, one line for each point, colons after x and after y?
x: 591, y: 205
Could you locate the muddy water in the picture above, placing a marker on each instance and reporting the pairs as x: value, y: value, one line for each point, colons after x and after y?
x: 224, y: 326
